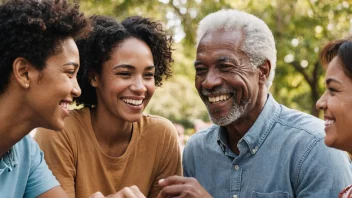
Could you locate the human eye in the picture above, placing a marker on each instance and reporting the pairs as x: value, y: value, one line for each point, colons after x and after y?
x: 149, y: 75
x: 124, y: 74
x: 332, y: 91
x: 225, y: 67
x: 71, y: 73
x: 200, y: 69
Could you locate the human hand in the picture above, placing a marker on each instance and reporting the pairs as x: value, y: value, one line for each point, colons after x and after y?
x: 178, y: 186
x: 127, y: 192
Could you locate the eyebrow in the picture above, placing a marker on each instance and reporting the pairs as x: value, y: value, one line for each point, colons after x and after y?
x: 328, y: 81
x: 132, y: 67
x: 197, y: 63
x: 71, y: 63
x: 220, y: 59
x: 227, y: 59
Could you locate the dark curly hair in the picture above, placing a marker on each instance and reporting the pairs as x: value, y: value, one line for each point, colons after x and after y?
x: 342, y: 48
x: 34, y: 30
x: 106, y: 36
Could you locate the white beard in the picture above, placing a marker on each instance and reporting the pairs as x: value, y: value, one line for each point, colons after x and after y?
x: 236, y: 112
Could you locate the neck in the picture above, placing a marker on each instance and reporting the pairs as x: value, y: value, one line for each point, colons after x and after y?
x: 15, y: 119
x: 108, y: 129
x: 237, y: 129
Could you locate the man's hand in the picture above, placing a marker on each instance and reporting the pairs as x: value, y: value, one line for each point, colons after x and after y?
x: 127, y: 192
x: 177, y: 186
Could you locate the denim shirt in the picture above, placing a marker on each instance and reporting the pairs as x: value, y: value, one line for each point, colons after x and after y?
x: 282, y: 155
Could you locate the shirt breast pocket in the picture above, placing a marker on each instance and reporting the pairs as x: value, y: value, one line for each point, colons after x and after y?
x: 276, y: 194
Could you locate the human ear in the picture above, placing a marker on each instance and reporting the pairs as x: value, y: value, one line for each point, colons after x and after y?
x: 21, y: 68
x: 93, y: 79
x: 264, y: 72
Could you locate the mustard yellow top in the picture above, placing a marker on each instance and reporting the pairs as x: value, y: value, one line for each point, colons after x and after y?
x: 82, y: 168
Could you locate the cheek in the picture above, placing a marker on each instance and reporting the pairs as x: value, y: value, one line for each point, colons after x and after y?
x: 150, y: 88
x: 344, y: 120
x: 110, y: 89
x: 59, y: 85
x: 337, y: 108
x: 197, y: 82
x: 117, y: 85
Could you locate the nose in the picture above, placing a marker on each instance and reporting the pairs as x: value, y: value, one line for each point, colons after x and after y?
x: 321, y: 103
x: 76, y: 90
x: 138, y: 85
x: 211, y: 80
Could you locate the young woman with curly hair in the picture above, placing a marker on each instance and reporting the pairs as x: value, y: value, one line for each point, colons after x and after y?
x: 336, y: 102
x: 39, y: 61
x: 38, y: 68
x: 110, y: 143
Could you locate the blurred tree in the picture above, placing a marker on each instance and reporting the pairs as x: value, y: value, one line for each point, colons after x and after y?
x: 300, y: 27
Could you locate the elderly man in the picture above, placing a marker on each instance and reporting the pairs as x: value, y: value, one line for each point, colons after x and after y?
x: 257, y: 147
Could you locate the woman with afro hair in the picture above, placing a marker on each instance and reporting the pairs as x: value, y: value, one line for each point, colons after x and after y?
x: 38, y: 68
x: 110, y: 143
x: 39, y: 61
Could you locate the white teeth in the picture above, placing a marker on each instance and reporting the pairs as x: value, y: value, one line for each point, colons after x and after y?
x: 329, y: 122
x: 219, y: 98
x: 133, y: 102
x: 64, y: 105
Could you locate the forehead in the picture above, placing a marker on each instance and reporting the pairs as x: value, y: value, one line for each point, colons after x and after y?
x: 221, y: 44
x: 335, y: 70
x: 221, y: 39
x: 132, y: 47
x: 132, y: 52
x: 68, y: 53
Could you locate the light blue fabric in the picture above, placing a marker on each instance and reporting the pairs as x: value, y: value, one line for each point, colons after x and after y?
x: 24, y: 172
x: 282, y: 155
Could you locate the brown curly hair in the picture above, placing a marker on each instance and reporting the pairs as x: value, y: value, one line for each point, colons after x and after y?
x: 106, y: 36
x: 34, y: 30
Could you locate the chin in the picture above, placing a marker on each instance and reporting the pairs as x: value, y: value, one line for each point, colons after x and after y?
x: 330, y: 142
x: 57, y: 126
x: 135, y: 118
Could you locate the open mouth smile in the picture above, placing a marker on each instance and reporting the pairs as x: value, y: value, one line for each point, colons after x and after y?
x: 219, y: 98
x: 328, y: 122
x: 64, y: 105
x: 133, y: 102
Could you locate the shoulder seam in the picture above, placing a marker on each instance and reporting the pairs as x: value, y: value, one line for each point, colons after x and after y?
x: 316, y: 136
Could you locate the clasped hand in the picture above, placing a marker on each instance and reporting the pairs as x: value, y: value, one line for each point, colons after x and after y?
x: 182, y: 187
x: 127, y: 192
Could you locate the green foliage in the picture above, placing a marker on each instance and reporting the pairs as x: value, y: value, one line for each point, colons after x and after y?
x: 300, y: 27
x: 178, y: 101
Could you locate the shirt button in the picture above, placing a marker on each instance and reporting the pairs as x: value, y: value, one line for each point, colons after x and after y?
x: 236, y: 168
x: 234, y: 196
x: 255, y: 149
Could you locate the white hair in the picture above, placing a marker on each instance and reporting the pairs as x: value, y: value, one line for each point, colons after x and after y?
x: 259, y: 42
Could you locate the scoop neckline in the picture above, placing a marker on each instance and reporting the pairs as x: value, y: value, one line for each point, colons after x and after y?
x: 130, y: 147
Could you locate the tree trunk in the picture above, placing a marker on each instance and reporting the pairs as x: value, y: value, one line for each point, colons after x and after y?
x: 314, y: 97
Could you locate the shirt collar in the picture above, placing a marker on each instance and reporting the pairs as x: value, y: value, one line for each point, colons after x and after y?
x: 257, y: 134
x: 9, y: 160
x: 222, y: 138
x: 259, y: 130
